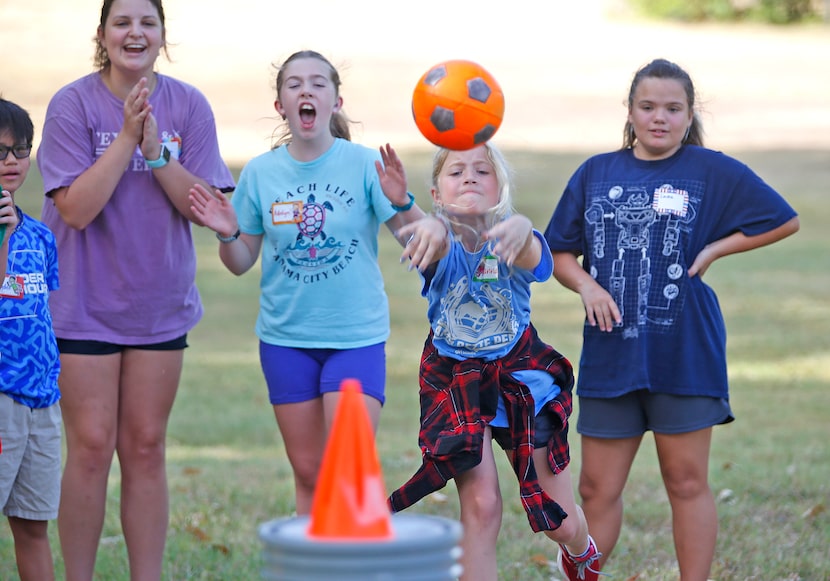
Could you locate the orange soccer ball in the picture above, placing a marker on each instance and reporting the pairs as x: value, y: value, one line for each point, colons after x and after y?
x: 457, y: 104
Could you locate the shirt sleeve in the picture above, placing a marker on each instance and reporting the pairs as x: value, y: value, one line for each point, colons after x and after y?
x: 66, y: 148
x: 751, y: 206
x: 565, y: 231
x: 200, y: 154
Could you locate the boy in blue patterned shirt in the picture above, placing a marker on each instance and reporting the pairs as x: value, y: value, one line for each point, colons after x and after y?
x: 30, y: 417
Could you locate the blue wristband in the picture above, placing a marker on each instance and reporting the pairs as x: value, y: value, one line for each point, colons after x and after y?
x: 407, y: 206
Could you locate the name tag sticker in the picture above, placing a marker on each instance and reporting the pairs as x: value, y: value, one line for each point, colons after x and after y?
x: 286, y: 212
x: 668, y: 200
x: 488, y: 269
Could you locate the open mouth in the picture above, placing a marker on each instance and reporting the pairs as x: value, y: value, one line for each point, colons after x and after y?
x: 307, y: 114
x: 134, y: 48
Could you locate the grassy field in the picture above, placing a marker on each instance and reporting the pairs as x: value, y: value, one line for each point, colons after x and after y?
x: 770, y: 469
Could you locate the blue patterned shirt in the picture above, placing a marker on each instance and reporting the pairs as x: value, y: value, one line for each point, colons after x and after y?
x: 29, y: 359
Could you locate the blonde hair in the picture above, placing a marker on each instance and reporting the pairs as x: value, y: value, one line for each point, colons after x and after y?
x: 504, y: 175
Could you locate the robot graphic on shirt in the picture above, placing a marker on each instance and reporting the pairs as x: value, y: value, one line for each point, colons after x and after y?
x: 638, y: 218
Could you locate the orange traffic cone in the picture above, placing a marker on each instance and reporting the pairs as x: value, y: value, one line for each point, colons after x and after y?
x: 350, y: 500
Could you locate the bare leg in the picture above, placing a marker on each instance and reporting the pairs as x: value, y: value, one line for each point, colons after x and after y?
x: 606, y: 464
x: 149, y: 381
x: 32, y: 550
x: 684, y: 464
x: 89, y: 404
x: 573, y: 533
x: 481, y: 514
x: 305, y: 427
x: 332, y: 398
x: 303, y: 431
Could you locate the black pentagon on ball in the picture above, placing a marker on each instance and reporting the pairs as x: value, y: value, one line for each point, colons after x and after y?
x: 435, y: 75
x: 478, y: 89
x: 484, y: 134
x: 442, y: 118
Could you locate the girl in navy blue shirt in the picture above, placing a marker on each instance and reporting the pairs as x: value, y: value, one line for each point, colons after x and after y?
x: 648, y: 220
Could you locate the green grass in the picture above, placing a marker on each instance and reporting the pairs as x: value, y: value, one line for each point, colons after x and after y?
x: 227, y: 467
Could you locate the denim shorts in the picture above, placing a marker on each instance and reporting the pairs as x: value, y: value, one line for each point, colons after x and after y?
x: 637, y: 412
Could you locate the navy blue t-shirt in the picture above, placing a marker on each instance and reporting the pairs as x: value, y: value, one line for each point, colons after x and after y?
x: 639, y: 226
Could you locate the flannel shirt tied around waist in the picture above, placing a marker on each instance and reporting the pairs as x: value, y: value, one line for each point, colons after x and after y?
x: 458, y: 399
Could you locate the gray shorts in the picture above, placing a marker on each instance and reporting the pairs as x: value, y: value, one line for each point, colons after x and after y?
x: 30, y: 463
x: 637, y: 412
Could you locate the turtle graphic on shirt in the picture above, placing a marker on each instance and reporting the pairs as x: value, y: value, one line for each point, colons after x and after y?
x: 313, y: 219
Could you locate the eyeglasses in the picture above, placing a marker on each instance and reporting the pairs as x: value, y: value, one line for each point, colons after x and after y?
x: 20, y: 151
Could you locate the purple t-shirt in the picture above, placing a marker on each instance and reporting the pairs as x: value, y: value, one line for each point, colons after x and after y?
x: 129, y: 276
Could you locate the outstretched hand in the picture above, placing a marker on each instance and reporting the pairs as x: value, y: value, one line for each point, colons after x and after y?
x: 214, y: 210
x: 426, y: 242
x: 511, y: 237
x: 392, y: 176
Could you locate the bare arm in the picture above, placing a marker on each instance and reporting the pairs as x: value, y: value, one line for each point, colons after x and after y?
x: 173, y: 178
x: 514, y: 242
x: 215, y: 211
x: 239, y: 256
x: 600, y: 308
x: 392, y: 177
x: 423, y: 237
x: 80, y: 202
x: 425, y: 242
x: 739, y: 242
x: 8, y: 222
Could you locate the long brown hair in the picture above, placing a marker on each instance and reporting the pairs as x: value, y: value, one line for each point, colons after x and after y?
x: 339, y: 125
x: 663, y: 69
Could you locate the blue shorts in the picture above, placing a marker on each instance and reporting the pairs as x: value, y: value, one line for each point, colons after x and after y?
x: 637, y: 412
x: 78, y: 347
x: 295, y: 375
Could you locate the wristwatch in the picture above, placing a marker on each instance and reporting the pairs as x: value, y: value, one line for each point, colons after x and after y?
x: 164, y: 157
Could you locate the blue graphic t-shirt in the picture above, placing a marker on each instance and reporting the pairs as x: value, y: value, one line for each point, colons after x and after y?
x: 476, y: 311
x: 478, y: 308
x: 321, y: 285
x: 639, y: 226
x: 29, y: 360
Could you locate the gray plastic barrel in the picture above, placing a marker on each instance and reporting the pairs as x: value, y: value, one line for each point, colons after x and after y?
x: 422, y: 548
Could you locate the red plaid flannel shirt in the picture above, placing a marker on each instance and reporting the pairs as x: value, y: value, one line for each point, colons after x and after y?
x: 458, y: 399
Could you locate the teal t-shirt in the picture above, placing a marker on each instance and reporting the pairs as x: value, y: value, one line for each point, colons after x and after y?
x: 321, y: 285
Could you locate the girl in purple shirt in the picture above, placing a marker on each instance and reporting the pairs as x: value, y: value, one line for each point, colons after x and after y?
x: 121, y: 147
